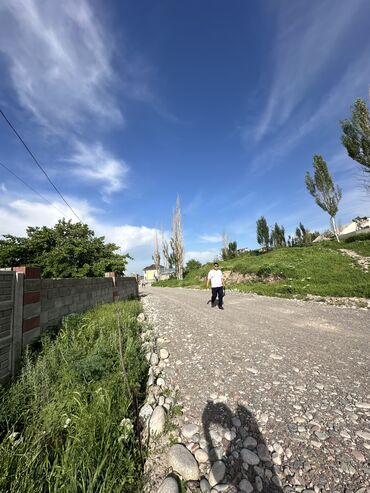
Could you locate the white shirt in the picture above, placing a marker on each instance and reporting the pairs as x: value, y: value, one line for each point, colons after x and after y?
x: 215, y: 276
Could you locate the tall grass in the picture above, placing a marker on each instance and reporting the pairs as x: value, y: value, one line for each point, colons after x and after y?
x: 68, y: 423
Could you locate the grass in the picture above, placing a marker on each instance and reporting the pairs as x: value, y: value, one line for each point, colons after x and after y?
x: 67, y: 424
x: 318, y: 269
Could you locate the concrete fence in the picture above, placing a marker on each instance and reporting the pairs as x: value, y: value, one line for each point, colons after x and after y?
x: 30, y: 305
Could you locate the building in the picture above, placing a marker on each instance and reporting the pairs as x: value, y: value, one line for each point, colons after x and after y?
x: 356, y: 226
x: 151, y: 274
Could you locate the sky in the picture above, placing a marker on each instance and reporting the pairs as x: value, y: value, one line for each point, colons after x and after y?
x: 127, y: 104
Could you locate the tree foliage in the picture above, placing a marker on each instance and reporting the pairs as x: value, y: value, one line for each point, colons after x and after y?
x: 230, y: 251
x: 322, y: 188
x: 277, y: 236
x: 66, y: 250
x: 193, y: 264
x: 303, y: 236
x: 262, y: 232
x: 356, y: 134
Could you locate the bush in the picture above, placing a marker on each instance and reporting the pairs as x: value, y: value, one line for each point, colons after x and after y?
x: 358, y: 237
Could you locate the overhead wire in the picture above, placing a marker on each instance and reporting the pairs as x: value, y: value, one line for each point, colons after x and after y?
x: 31, y: 188
x: 37, y: 162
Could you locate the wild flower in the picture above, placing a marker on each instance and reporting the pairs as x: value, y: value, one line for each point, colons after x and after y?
x: 127, y: 429
x: 13, y: 436
x: 68, y: 420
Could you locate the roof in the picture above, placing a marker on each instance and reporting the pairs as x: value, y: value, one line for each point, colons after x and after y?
x: 153, y: 267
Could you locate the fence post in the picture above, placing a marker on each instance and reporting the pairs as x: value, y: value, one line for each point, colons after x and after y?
x: 113, y: 276
x: 17, y: 320
x: 31, y: 303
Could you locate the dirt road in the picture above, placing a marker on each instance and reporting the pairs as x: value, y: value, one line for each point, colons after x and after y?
x: 300, y: 369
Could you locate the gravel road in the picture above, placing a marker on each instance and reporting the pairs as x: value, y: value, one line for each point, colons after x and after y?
x: 299, y: 369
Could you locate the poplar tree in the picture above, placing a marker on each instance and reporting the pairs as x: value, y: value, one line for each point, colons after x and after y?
x: 356, y: 134
x: 176, y: 242
x: 156, y: 256
x: 321, y: 187
x: 165, y: 252
x: 262, y: 232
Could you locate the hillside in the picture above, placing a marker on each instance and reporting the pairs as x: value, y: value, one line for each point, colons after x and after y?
x: 318, y: 270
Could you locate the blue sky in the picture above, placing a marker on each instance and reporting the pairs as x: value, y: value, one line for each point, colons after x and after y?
x: 127, y: 104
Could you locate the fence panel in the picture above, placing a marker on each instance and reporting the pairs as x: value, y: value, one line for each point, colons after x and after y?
x: 7, y: 283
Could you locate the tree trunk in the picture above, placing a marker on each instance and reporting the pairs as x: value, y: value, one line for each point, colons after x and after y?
x: 334, y: 226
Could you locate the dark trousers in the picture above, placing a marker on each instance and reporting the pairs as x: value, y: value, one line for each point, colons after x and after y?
x: 217, y: 292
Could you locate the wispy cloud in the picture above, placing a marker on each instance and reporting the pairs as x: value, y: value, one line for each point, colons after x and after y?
x: 95, y: 164
x: 351, y: 84
x: 194, y: 204
x: 211, y: 238
x: 59, y: 60
x: 305, y: 43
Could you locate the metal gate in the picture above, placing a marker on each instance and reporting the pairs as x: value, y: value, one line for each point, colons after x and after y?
x: 7, y: 283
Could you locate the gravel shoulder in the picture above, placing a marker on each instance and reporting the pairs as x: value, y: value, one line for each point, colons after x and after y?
x: 299, y: 370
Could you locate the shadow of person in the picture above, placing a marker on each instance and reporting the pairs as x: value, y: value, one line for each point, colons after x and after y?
x: 235, y: 439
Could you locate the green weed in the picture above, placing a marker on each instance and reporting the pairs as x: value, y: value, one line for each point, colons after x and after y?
x: 67, y: 424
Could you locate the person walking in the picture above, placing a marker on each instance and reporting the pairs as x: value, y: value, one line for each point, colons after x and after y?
x: 217, y: 284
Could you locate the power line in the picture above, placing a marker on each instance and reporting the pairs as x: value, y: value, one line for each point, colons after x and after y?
x: 36, y: 161
x: 31, y: 188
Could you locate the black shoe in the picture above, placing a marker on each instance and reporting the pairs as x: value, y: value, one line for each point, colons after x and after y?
x: 213, y: 305
x: 221, y: 307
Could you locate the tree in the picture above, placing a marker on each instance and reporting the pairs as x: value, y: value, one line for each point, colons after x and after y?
x: 167, y: 259
x: 156, y: 256
x: 302, y: 236
x: 176, y: 242
x: 193, y: 265
x: 225, y: 247
x: 263, y: 232
x: 356, y: 134
x: 230, y: 251
x: 322, y: 188
x: 277, y: 237
x: 233, y: 249
x: 66, y: 250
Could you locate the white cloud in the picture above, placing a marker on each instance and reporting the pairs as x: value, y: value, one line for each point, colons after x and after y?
x: 17, y: 214
x: 211, y: 238
x: 306, y: 42
x: 202, y: 256
x: 95, y: 164
x: 59, y: 60
x: 3, y: 187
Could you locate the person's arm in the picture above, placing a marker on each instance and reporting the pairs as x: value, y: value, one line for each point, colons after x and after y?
x: 208, y: 279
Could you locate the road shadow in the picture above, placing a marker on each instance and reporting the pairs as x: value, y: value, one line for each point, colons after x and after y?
x: 246, y: 443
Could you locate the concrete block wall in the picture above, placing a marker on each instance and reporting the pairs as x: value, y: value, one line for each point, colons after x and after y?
x: 30, y: 305
x: 60, y: 297
x: 47, y: 301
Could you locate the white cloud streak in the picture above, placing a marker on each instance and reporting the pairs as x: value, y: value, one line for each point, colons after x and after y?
x: 211, y: 238
x: 59, y: 60
x: 95, y: 164
x: 306, y: 43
